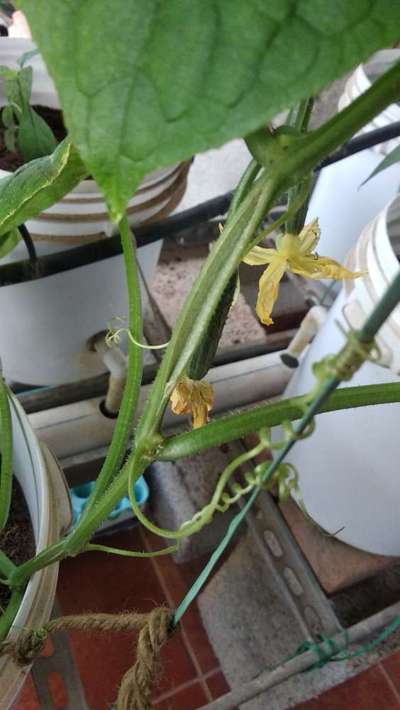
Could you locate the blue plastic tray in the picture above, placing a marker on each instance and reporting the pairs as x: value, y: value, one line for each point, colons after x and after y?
x: 123, y: 510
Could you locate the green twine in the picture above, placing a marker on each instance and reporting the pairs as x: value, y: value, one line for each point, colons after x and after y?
x: 328, y: 650
x: 325, y: 649
x: 344, y: 364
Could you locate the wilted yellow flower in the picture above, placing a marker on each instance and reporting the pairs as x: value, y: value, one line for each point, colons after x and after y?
x: 293, y: 253
x: 195, y: 397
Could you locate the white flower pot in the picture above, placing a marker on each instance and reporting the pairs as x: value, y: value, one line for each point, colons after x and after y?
x: 349, y: 467
x: 340, y: 201
x: 48, y: 323
x: 48, y: 502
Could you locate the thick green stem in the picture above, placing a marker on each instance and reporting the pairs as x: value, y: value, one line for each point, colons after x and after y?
x: 342, y: 126
x: 78, y: 539
x: 6, y: 455
x: 7, y: 618
x: 299, y: 115
x: 243, y: 187
x: 232, y: 427
x: 300, y: 119
x: 6, y: 566
x: 124, y: 423
x: 303, y: 114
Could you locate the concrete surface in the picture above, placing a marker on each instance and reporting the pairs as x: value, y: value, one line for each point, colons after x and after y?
x: 250, y: 630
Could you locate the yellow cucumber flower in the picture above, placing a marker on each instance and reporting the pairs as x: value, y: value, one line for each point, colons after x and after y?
x: 293, y: 253
x: 195, y: 397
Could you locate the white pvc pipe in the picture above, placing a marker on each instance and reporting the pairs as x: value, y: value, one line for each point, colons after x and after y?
x: 309, y: 327
x: 116, y: 363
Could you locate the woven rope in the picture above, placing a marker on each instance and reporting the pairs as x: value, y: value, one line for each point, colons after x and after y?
x: 138, y: 682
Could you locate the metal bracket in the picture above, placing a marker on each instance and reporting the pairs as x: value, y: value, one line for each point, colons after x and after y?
x: 62, y: 663
x: 291, y: 571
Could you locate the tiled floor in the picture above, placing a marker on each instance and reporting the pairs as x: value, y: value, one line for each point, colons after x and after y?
x: 374, y: 688
x: 192, y: 676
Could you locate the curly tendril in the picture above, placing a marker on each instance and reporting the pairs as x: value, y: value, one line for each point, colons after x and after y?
x: 227, y: 493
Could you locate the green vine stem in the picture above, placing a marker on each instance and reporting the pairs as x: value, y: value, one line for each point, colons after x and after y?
x: 130, y: 553
x: 226, y: 429
x: 305, y: 153
x: 299, y: 119
x: 6, y: 567
x: 6, y: 473
x: 7, y: 618
x: 193, y: 526
x: 124, y: 423
x: 243, y: 187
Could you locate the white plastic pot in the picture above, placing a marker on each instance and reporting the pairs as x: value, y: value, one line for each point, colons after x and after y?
x: 48, y: 502
x: 341, y: 202
x: 349, y: 467
x: 49, y: 322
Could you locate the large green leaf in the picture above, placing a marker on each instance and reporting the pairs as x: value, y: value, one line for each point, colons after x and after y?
x: 144, y: 83
x: 38, y: 185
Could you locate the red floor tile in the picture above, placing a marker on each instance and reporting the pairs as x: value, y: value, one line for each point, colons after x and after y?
x: 97, y: 581
x: 367, y: 691
x: 57, y: 690
x: 102, y: 582
x: 198, y: 640
x: 28, y: 698
x: 177, y: 580
x: 217, y: 685
x: 392, y: 667
x: 186, y: 699
x: 48, y: 649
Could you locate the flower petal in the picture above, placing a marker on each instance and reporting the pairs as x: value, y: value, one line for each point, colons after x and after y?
x: 309, y: 237
x: 259, y: 256
x: 202, y: 402
x: 268, y: 289
x: 180, y: 396
x: 321, y: 267
x: 195, y: 397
